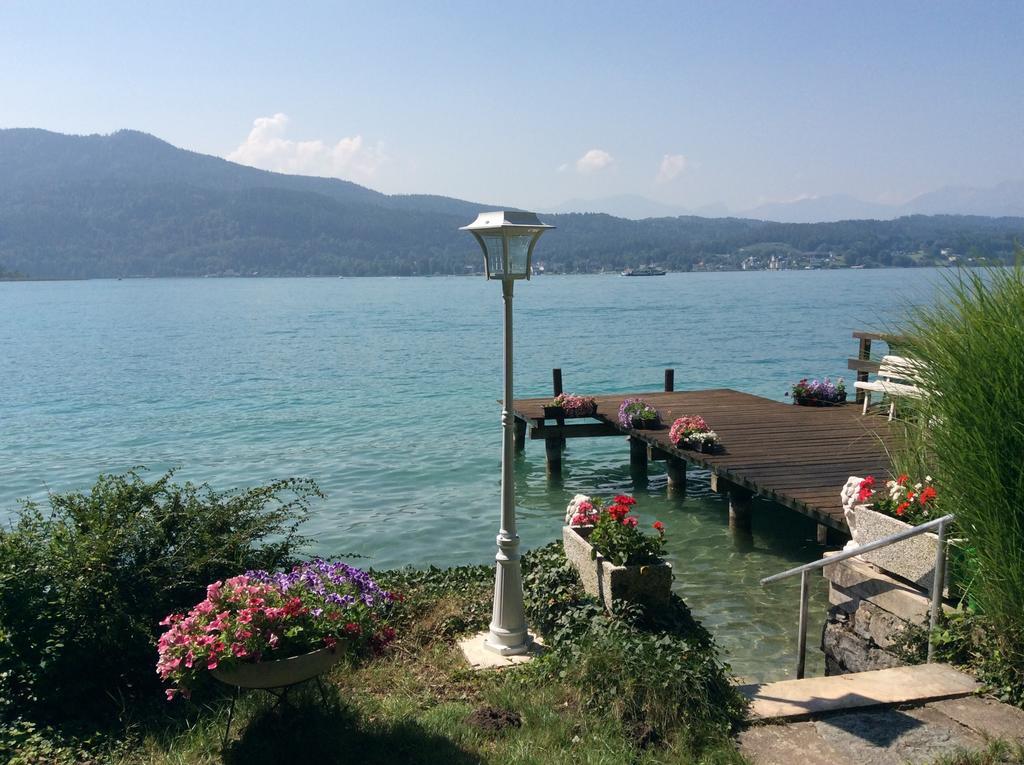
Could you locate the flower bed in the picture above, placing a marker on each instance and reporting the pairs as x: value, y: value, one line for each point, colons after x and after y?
x: 262, y: 617
x: 637, y: 413
x: 818, y: 392
x: 692, y: 432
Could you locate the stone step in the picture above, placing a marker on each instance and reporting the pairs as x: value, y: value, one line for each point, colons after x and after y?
x: 791, y: 699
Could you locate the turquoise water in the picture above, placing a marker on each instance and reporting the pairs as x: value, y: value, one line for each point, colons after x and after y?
x: 384, y: 391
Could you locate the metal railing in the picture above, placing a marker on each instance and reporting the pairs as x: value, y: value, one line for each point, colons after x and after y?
x: 937, y: 585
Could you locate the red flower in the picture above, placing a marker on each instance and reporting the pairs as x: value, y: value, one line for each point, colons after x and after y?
x: 659, y: 526
x: 902, y: 508
x: 928, y: 494
x: 618, y: 512
x: 864, y: 493
x: 624, y: 499
x: 630, y: 521
x: 902, y: 479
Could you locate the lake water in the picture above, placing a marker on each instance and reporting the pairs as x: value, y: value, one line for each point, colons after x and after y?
x: 384, y: 391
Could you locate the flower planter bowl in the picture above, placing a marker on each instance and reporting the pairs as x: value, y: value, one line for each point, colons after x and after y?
x: 638, y: 424
x: 280, y: 672
x: 649, y: 583
x: 811, y: 401
x: 560, y: 413
x: 698, y: 446
x: 554, y: 413
x: 912, y: 559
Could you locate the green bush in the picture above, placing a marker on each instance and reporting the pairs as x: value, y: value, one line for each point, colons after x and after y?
x: 970, y: 432
x: 653, y: 669
x: 83, y: 586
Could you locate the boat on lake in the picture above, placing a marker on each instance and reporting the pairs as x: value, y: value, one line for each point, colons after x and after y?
x: 644, y: 271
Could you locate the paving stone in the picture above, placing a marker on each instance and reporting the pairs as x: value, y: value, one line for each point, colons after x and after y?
x: 817, y: 695
x: 793, y: 744
x: 987, y: 716
x: 893, y: 737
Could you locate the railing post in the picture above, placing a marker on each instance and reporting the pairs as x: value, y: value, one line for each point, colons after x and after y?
x: 801, y: 638
x: 670, y: 380
x: 937, y: 587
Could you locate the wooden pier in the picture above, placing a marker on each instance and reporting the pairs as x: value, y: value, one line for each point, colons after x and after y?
x: 797, y: 456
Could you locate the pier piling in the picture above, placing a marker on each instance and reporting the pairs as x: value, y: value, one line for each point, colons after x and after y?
x: 553, y: 454
x: 676, y: 469
x: 637, y: 458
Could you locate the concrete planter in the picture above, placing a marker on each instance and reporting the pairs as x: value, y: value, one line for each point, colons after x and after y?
x: 649, y: 583
x: 912, y: 559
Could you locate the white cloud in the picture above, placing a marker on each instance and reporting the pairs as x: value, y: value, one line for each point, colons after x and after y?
x: 594, y: 160
x: 267, y: 147
x: 672, y: 166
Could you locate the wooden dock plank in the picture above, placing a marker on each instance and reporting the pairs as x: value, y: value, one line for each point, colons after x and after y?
x: 797, y: 456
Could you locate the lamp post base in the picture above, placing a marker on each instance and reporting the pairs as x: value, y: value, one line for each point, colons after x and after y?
x: 479, y: 654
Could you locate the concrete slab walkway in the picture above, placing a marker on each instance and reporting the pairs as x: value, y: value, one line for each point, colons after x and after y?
x: 792, y: 699
x: 884, y: 736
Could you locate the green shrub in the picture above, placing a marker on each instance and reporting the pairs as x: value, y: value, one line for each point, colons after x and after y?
x: 970, y: 430
x: 83, y: 586
x: 657, y: 669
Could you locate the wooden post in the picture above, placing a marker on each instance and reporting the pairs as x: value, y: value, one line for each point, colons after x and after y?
x: 822, y: 534
x: 520, y: 434
x: 670, y: 380
x: 556, y: 386
x: 553, y: 453
x: 739, y: 508
x: 864, y: 354
x: 676, y: 469
x: 637, y: 458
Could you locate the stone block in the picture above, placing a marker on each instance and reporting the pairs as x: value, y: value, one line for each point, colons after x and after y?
x: 861, y: 621
x: 840, y: 599
x: 858, y: 580
x: 886, y: 630
x: 848, y: 652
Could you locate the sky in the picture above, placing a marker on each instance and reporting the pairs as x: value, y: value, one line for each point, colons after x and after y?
x: 531, y: 104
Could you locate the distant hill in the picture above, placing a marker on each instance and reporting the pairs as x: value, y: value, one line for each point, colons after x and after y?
x: 129, y: 204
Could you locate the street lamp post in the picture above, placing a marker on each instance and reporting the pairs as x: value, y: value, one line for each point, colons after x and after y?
x: 507, y: 239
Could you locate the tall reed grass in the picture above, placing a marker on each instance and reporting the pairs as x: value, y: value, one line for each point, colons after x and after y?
x: 971, y: 426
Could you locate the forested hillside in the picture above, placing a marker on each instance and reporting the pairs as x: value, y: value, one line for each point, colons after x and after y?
x: 130, y: 204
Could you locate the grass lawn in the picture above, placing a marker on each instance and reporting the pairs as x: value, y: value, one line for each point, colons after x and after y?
x: 629, y: 689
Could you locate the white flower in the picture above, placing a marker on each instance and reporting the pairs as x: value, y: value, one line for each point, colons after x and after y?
x: 927, y: 479
x: 574, y: 506
x: 918, y: 486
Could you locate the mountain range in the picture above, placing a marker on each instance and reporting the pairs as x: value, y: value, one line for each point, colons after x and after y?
x: 1004, y: 199
x: 130, y: 204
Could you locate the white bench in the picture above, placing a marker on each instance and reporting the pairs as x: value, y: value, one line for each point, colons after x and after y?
x: 896, y: 377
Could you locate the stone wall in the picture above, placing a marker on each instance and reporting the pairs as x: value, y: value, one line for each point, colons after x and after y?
x: 868, y: 613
